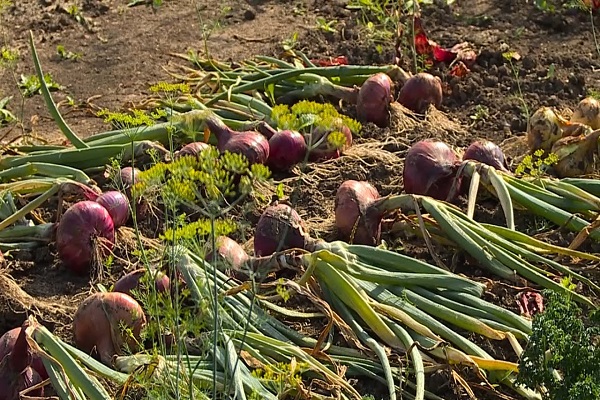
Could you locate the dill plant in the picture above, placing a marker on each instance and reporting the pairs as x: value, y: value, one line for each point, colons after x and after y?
x: 211, y: 185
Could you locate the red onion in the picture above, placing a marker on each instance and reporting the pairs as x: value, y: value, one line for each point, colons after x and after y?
x: 354, y: 218
x: 78, y: 230
x: 98, y: 325
x: 286, y: 149
x: 191, y: 149
x: 280, y: 228
x: 419, y: 91
x: 325, y: 151
x: 488, y: 153
x: 374, y: 98
x: 131, y: 281
x: 16, y: 370
x: 430, y: 169
x: 230, y: 255
x: 7, y: 343
x: 117, y: 205
x: 251, y: 144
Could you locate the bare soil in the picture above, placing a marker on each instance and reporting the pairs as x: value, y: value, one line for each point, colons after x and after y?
x: 126, y: 49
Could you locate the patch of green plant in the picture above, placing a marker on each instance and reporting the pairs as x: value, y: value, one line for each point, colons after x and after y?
x: 282, y: 378
x: 131, y: 120
x: 67, y: 54
x: 325, y: 25
x: 563, y: 351
x: 5, y: 115
x: 305, y: 116
x: 200, y: 228
x: 167, y: 87
x: 535, y: 165
x: 30, y: 84
x: 8, y: 56
x: 211, y: 183
x: 379, y: 18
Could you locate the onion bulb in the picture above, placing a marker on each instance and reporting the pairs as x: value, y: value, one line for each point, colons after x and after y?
x: 544, y: 129
x: 374, y: 98
x: 128, y: 176
x: 106, y: 322
x: 419, y: 91
x: 488, y: 153
x: 230, y: 255
x: 191, y: 149
x: 430, y: 169
x: 117, y: 205
x: 16, y: 370
x: 286, y: 149
x: 280, y: 228
x: 353, y: 218
x: 7, y: 343
x: 575, y: 155
x: 587, y: 112
x: 251, y: 144
x: 84, y: 232
x: 131, y: 281
x: 319, y: 144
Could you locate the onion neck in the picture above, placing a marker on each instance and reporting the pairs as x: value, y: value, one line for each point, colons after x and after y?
x: 218, y: 127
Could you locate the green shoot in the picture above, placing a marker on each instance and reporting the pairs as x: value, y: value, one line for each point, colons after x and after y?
x: 326, y: 26
x: 67, y: 54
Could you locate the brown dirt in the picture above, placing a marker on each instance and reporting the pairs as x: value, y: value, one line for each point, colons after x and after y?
x: 125, y: 49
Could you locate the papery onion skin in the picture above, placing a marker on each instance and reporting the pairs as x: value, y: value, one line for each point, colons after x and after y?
x: 587, y: 112
x: 131, y: 281
x: 353, y: 218
x: 101, y: 317
x: 117, y: 205
x: 191, y: 149
x: 286, y: 149
x: 280, y: 228
x: 251, y: 144
x: 374, y: 98
x: 575, y: 155
x: 430, y: 169
x: 420, y: 91
x: 230, y: 256
x: 78, y: 232
x: 486, y: 152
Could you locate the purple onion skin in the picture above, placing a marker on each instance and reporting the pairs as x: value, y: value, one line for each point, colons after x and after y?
x: 279, y: 228
x: 131, y: 281
x: 354, y: 219
x: 7, y: 343
x: 286, y: 149
x: 191, y: 149
x: 251, y: 144
x: 128, y: 177
x: 77, y: 232
x: 488, y: 153
x: 374, y: 98
x: 16, y: 371
x: 421, y: 90
x: 430, y: 169
x: 117, y: 205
